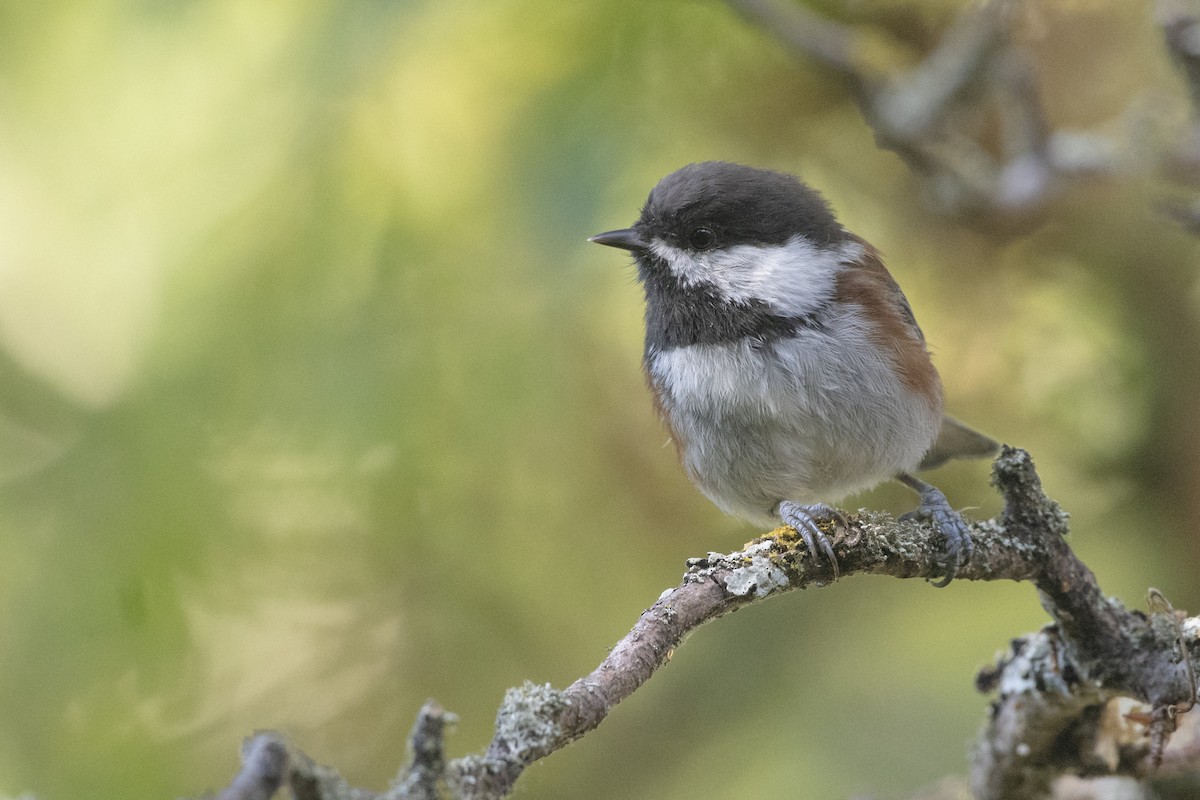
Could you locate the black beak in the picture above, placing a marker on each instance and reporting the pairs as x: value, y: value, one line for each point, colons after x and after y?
x: 626, y: 239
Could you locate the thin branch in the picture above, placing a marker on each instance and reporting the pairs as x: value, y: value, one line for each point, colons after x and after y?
x: 1025, y: 178
x: 1187, y: 214
x: 537, y: 720
x: 1054, y: 689
x: 913, y: 107
x: 1180, y: 23
x: 424, y: 777
x: 917, y: 114
x: 910, y: 113
x: 821, y: 39
x: 264, y: 764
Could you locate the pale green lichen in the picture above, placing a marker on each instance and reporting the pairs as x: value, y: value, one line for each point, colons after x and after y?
x: 528, y: 719
x: 527, y: 729
x: 760, y: 575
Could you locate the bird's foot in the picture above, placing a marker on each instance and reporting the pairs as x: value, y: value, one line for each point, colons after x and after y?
x: 936, y: 508
x: 804, y: 519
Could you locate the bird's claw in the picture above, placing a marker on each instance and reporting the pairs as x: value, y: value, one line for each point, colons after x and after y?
x: 935, y: 508
x: 804, y: 519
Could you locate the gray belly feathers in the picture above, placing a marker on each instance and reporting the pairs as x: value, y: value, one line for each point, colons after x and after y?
x: 802, y: 425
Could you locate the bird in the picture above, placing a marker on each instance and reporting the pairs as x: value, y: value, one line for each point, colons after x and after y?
x: 784, y: 359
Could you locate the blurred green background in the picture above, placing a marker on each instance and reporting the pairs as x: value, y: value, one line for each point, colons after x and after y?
x: 315, y: 402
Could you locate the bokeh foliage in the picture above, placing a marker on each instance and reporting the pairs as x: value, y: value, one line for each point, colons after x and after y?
x: 314, y: 402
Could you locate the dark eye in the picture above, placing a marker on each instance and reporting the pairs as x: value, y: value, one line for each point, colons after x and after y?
x: 701, y: 239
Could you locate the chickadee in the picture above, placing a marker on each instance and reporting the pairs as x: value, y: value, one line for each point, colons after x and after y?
x: 784, y: 359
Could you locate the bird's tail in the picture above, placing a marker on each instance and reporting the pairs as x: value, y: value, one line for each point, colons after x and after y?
x: 956, y: 440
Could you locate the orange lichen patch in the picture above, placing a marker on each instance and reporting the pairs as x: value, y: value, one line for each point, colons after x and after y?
x: 787, y: 548
x: 785, y: 536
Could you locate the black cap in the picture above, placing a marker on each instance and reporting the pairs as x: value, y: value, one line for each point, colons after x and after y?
x: 739, y: 205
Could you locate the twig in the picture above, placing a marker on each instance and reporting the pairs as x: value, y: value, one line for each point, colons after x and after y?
x: 821, y: 39
x: 425, y: 776
x: 1180, y: 23
x: 912, y: 108
x: 916, y: 114
x: 910, y: 113
x: 264, y: 764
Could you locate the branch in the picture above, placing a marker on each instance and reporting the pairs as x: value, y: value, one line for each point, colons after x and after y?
x: 1180, y: 23
x: 424, y: 777
x: 1053, y: 714
x: 803, y: 30
x: 922, y: 114
x: 911, y: 113
x: 264, y: 760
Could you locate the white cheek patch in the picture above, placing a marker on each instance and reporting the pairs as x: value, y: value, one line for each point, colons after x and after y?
x: 794, y: 278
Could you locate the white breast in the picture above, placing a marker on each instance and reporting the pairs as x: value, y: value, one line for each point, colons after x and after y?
x: 811, y: 418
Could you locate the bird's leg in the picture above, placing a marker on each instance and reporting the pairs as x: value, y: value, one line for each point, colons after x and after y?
x: 936, y: 508
x: 804, y: 519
